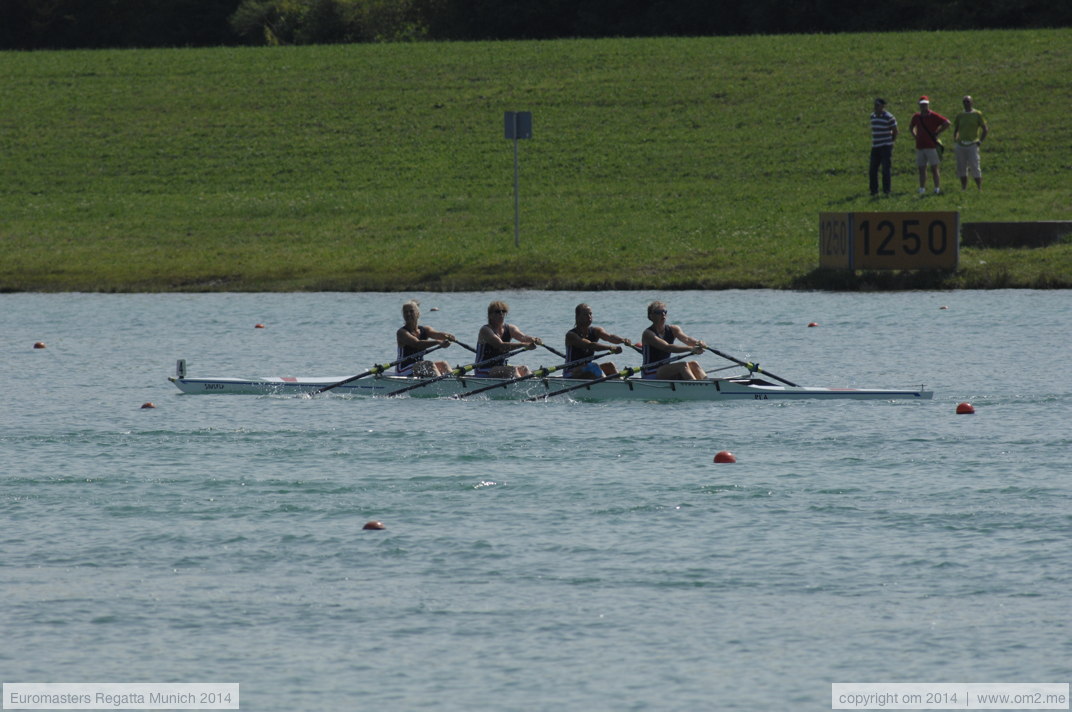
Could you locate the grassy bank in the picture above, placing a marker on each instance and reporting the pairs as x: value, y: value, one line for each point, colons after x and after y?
x: 668, y: 163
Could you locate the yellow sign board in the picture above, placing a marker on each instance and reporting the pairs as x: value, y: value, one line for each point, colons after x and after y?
x: 835, y: 240
x: 888, y: 240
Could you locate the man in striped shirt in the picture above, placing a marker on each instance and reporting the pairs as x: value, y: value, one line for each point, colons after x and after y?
x: 883, y: 134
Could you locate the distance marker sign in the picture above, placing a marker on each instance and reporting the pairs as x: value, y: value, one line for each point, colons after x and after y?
x: 881, y: 240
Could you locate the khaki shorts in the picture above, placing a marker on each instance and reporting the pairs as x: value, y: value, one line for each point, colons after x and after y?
x: 927, y: 157
x: 968, y: 161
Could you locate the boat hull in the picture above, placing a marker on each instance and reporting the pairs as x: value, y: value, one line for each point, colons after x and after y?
x: 617, y: 389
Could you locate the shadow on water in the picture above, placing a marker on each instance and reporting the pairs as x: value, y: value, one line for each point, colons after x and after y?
x: 873, y: 281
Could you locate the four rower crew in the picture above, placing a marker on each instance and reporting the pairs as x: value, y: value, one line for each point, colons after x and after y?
x: 660, y: 342
x: 495, y: 338
x: 583, y: 340
x: 413, y: 338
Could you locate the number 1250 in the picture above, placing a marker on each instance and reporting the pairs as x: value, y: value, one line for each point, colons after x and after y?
x: 888, y: 241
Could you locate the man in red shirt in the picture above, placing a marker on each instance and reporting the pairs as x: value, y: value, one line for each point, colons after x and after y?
x: 926, y: 126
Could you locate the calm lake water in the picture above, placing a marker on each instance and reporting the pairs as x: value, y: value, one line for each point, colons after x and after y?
x: 537, y: 556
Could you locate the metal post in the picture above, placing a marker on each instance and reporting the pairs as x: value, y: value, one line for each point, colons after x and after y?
x: 518, y: 125
x: 517, y: 198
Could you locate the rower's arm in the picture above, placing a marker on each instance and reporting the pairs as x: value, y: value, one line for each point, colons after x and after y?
x: 523, y: 337
x: 577, y: 341
x: 439, y: 336
x: 662, y: 344
x: 489, y: 337
x: 405, y: 338
x: 613, y: 338
x: 695, y: 344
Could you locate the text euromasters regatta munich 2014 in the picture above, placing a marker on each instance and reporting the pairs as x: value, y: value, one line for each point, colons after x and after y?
x: 120, y: 696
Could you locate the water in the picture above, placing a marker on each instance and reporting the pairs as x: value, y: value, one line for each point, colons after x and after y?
x: 537, y: 556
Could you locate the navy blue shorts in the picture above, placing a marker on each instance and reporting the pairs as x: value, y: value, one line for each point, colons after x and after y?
x: 588, y: 370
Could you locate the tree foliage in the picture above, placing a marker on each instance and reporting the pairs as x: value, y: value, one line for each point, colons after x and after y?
x: 61, y: 24
x: 69, y: 24
x: 276, y: 22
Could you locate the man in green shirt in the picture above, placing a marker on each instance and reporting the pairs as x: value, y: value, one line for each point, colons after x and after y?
x: 969, y: 130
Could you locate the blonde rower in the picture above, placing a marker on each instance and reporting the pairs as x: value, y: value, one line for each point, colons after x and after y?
x: 658, y: 341
x: 497, y: 337
x: 413, y: 338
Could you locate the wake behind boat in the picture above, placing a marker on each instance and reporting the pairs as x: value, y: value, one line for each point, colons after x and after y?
x: 745, y: 387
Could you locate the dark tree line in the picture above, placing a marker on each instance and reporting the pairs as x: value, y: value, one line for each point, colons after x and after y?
x: 65, y: 24
x: 69, y: 24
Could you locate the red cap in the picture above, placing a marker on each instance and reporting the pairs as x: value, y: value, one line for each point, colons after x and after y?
x: 924, y: 100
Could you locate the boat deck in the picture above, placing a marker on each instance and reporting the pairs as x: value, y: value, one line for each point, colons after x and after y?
x: 714, y: 389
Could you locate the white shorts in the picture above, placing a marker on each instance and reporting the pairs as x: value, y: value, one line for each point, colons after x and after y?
x: 927, y: 157
x: 968, y: 161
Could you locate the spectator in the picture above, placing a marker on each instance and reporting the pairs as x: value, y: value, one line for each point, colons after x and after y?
x: 926, y: 126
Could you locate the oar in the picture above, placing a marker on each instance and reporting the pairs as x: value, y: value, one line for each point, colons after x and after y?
x: 558, y: 353
x: 459, y: 371
x: 538, y: 373
x: 750, y: 366
x: 378, y: 369
x: 467, y: 347
x: 555, y: 351
x: 625, y: 373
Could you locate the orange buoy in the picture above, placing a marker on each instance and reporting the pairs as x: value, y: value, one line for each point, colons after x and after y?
x: 965, y: 409
x: 725, y: 456
x: 39, y: 344
x: 813, y: 323
x: 258, y: 326
x: 374, y: 525
x: 148, y: 404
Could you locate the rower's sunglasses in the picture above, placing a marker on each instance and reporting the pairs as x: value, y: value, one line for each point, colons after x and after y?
x: 658, y: 311
x: 500, y: 311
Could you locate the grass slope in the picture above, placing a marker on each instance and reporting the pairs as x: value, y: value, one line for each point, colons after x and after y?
x: 658, y: 163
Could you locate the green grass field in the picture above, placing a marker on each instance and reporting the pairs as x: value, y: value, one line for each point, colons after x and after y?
x: 661, y: 163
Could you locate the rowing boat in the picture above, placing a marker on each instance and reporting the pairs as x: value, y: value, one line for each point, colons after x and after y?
x: 712, y: 389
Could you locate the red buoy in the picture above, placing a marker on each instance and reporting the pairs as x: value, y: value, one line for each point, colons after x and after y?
x: 965, y: 409
x: 374, y: 525
x: 39, y: 344
x: 813, y: 323
x: 258, y: 326
x: 725, y: 456
x: 149, y: 404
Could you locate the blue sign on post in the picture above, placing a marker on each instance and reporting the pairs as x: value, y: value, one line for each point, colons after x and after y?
x: 518, y: 125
